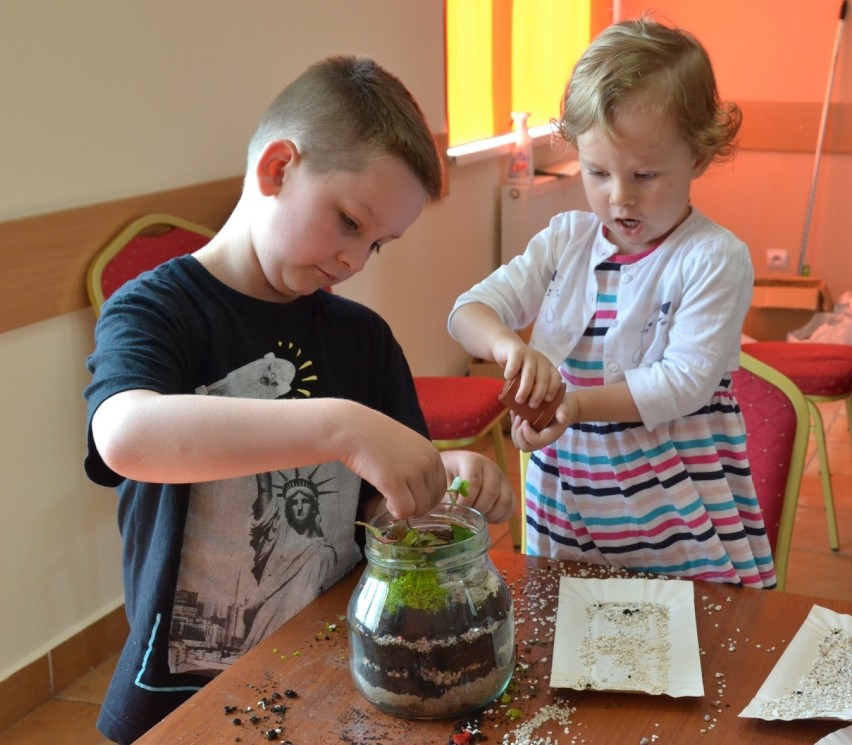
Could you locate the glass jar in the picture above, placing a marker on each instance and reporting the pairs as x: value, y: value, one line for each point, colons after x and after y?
x: 431, y: 628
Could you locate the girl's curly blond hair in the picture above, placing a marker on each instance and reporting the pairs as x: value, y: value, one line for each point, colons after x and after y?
x: 644, y: 63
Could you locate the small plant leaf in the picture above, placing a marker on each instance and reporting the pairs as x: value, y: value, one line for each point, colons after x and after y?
x: 458, y: 488
x: 402, y: 533
x: 373, y: 529
x: 460, y: 533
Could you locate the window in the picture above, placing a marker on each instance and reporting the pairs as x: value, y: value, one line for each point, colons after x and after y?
x: 505, y: 56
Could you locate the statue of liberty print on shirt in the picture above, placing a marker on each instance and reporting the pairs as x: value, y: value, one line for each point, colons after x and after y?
x: 257, y: 549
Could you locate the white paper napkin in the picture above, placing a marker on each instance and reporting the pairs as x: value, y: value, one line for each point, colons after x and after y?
x: 777, y: 697
x: 634, y: 635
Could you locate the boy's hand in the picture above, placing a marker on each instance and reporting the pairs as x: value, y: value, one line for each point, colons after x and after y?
x: 489, y: 491
x: 405, y: 467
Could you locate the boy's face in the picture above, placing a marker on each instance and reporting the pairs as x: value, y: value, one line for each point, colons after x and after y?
x: 638, y: 184
x: 320, y: 229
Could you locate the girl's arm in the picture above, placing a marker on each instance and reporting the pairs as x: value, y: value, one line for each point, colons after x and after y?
x: 483, y: 334
x: 478, y: 328
x: 603, y: 403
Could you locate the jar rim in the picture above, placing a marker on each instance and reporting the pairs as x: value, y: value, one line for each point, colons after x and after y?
x: 402, y: 556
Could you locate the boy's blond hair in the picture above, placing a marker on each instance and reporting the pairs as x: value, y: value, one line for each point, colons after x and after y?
x: 343, y: 112
x: 642, y: 62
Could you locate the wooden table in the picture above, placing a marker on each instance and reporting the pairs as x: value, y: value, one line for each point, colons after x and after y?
x: 741, y: 632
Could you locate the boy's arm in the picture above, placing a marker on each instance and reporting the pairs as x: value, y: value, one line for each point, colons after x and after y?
x: 146, y: 436
x: 489, y: 491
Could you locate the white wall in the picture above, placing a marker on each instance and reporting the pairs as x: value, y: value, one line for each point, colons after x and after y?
x: 59, y: 560
x: 103, y: 100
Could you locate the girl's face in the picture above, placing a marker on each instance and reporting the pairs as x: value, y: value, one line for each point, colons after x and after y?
x: 638, y: 184
x: 320, y: 229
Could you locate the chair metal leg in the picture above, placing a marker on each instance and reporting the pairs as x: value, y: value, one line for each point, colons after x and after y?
x: 825, y: 475
x: 500, y: 456
x: 499, y: 447
x: 849, y: 417
x: 525, y: 459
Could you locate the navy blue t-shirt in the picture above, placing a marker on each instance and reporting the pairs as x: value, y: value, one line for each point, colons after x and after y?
x: 264, y: 544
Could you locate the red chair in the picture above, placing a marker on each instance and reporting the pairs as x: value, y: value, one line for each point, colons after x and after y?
x: 142, y: 245
x: 459, y: 411
x: 823, y: 372
x: 777, y: 425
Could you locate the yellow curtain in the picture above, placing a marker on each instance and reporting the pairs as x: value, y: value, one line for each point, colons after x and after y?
x: 505, y: 56
x: 548, y: 36
x: 470, y: 99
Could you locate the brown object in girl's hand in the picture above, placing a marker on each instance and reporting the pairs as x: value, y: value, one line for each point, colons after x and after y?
x: 538, y: 417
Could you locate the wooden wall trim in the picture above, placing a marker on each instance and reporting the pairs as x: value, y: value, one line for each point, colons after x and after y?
x: 793, y: 126
x: 43, y: 259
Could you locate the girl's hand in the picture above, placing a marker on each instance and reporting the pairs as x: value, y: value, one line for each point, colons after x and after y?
x: 528, y: 439
x: 539, y: 382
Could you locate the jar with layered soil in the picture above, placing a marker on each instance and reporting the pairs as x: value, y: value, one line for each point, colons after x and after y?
x: 431, y: 624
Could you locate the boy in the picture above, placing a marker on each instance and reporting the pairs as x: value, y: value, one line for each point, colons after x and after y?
x: 227, y: 385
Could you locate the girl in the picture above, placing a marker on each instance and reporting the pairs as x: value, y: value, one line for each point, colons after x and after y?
x: 638, y: 307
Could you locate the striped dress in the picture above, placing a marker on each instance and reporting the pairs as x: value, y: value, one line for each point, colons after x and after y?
x: 675, y: 500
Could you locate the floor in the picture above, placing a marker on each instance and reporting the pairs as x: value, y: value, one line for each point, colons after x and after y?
x: 69, y: 717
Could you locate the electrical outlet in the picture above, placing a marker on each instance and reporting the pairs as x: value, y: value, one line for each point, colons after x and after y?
x: 777, y: 258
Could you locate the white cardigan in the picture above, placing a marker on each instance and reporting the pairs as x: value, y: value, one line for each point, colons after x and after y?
x: 679, y: 310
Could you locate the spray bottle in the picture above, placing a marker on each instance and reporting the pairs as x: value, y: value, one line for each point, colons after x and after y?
x: 521, y: 169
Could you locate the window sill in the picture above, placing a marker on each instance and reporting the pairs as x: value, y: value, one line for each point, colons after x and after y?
x: 494, y: 147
